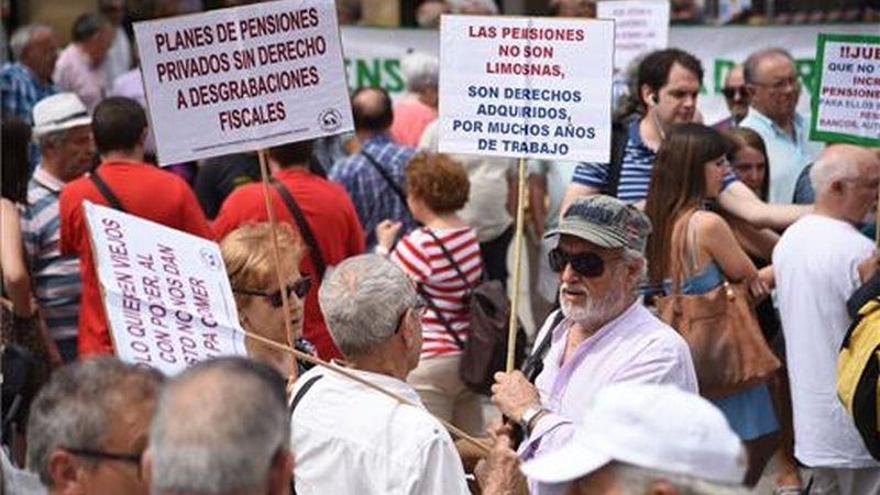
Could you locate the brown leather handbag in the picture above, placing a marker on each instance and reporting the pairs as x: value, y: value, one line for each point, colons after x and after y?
x: 722, y: 330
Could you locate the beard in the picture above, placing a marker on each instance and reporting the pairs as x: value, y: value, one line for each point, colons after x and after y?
x: 597, y: 309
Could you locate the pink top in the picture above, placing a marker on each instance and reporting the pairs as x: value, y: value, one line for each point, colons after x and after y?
x: 423, y: 260
x: 74, y: 72
x: 411, y: 117
x: 635, y: 347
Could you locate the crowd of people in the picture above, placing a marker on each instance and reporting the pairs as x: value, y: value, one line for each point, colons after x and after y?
x: 382, y: 243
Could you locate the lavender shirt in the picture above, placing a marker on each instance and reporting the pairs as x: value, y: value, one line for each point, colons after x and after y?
x: 634, y: 347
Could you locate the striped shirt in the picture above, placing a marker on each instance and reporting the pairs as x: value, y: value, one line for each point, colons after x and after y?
x: 422, y: 258
x: 56, y: 278
x: 635, y: 170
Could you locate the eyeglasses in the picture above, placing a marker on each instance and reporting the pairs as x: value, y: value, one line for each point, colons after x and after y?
x: 780, y: 84
x: 300, y: 288
x: 418, y: 308
x: 134, y: 459
x: 731, y: 92
x: 589, y: 265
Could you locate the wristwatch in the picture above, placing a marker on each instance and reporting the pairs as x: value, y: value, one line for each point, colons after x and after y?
x: 529, y: 416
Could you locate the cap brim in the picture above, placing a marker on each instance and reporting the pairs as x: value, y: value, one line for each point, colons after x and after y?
x: 70, y: 124
x: 570, y: 462
x: 588, y: 234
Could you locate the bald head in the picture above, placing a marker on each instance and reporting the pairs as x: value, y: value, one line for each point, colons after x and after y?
x: 371, y: 109
x: 846, y: 178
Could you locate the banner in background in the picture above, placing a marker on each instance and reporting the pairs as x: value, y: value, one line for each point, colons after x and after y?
x: 243, y: 78
x: 371, y: 60
x: 846, y: 105
x: 640, y: 26
x: 517, y: 87
x: 167, y: 297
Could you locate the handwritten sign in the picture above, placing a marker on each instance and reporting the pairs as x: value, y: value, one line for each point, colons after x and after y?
x: 846, y: 104
x: 639, y: 27
x: 167, y: 297
x: 244, y: 78
x: 520, y: 87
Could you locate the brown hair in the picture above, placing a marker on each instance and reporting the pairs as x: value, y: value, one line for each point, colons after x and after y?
x: 250, y: 264
x: 742, y: 137
x: 439, y: 181
x: 678, y: 184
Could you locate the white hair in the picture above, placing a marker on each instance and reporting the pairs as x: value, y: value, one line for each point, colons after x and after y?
x: 421, y: 71
x: 830, y: 168
x: 483, y: 7
x: 362, y: 300
x: 22, y: 37
x: 635, y: 479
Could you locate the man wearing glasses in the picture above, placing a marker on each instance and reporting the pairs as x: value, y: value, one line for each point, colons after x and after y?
x: 774, y: 88
x: 607, y: 335
x: 737, y: 99
x: 89, y: 426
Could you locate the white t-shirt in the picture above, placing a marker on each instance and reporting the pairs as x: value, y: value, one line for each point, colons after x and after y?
x: 348, y: 438
x: 816, y: 266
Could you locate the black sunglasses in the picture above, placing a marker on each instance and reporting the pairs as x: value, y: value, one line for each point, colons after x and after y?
x: 729, y: 93
x: 589, y: 265
x: 300, y: 288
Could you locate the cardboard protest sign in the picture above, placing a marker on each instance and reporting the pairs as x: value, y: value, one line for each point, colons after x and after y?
x: 639, y: 27
x: 846, y: 103
x: 526, y: 87
x: 166, y: 294
x: 244, y: 78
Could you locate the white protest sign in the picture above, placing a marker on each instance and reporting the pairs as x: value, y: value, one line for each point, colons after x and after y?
x: 244, y: 78
x: 846, y: 105
x: 166, y: 294
x: 639, y: 27
x: 526, y: 87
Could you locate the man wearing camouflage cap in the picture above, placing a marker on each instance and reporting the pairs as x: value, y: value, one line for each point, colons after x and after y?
x: 604, y: 335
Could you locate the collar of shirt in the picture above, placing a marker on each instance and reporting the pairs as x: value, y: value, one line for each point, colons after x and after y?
x: 378, y: 140
x: 798, y: 122
x: 295, y: 171
x: 84, y: 57
x: 47, y: 180
x: 635, y: 137
x: 389, y: 383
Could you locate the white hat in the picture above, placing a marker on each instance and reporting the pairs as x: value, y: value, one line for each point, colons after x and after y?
x: 59, y: 112
x: 652, y: 426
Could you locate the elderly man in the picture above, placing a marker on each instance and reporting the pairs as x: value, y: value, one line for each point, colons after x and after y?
x: 737, y: 98
x: 419, y: 108
x: 61, y: 126
x: 774, y: 88
x: 350, y: 438
x: 221, y: 428
x: 88, y: 427
x: 817, y: 265
x: 80, y: 68
x: 574, y: 8
x: 373, y: 177
x: 668, y: 86
x: 607, y: 335
x: 626, y: 444
x: 29, y: 79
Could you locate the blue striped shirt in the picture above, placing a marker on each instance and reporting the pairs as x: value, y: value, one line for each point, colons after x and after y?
x: 19, y: 92
x: 373, y: 198
x: 635, y: 170
x: 55, y: 277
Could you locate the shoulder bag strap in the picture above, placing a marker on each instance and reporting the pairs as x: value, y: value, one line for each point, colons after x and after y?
x: 449, y: 257
x: 296, y: 398
x: 446, y: 325
x: 105, y: 191
x: 385, y: 175
x: 534, y: 364
x: 305, y: 230
x: 619, y: 138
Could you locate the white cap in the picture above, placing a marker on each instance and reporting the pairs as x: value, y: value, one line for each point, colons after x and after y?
x: 59, y: 112
x: 657, y: 427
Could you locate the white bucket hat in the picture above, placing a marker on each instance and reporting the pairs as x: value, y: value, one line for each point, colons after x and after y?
x: 657, y: 427
x: 59, y: 112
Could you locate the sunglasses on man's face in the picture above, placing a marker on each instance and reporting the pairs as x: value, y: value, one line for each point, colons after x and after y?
x: 300, y: 287
x: 730, y: 92
x: 589, y: 265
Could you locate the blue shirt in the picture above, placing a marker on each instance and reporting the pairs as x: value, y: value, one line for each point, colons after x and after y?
x: 19, y: 92
x: 374, y: 200
x: 635, y: 169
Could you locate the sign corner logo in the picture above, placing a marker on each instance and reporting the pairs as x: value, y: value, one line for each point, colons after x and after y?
x: 330, y: 119
x: 209, y: 259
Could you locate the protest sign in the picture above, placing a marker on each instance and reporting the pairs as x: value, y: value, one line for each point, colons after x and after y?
x: 639, y: 27
x: 244, y: 78
x: 522, y: 87
x: 166, y: 294
x: 846, y: 103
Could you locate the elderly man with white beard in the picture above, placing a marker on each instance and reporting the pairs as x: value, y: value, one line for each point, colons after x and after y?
x: 606, y: 336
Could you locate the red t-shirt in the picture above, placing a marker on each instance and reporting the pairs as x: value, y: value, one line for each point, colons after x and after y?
x: 331, y: 217
x: 145, y: 191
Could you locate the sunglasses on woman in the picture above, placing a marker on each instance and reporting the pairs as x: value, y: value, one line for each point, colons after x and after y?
x: 589, y: 265
x: 300, y: 287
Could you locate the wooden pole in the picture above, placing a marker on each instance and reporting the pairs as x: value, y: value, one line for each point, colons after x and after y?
x: 517, y: 262
x: 348, y: 374
x: 276, y: 257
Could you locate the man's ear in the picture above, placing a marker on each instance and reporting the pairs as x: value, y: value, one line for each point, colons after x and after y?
x: 280, y: 473
x: 647, y: 94
x: 64, y: 471
x: 662, y: 487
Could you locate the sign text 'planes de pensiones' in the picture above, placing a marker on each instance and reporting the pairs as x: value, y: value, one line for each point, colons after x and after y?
x: 526, y: 87
x: 243, y: 78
